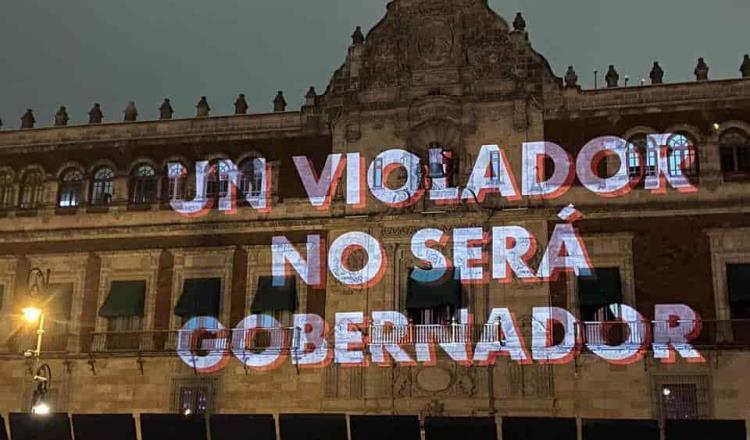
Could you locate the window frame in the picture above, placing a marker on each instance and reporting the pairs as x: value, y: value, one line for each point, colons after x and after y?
x: 34, y: 189
x: 102, y: 187
x: 143, y: 189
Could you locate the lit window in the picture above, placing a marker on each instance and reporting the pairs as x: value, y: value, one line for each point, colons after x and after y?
x: 102, y: 187
x: 683, y: 159
x: 634, y: 160
x: 194, y: 400
x: 378, y: 174
x: 177, y: 175
x: 71, y: 187
x: 495, y: 166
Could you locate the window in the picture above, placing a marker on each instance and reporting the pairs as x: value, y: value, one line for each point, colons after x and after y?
x: 123, y: 309
x: 734, y: 147
x: 177, y: 187
x: 276, y: 299
x: 433, y: 303
x: 251, y: 179
x: 680, y: 401
x: 143, y: 185
x: 194, y: 400
x: 634, y: 160
x: 738, y: 284
x: 377, y: 174
x: 200, y: 297
x: 683, y: 158
x: 495, y: 167
x: 71, y: 185
x: 193, y: 396
x: 102, y: 187
x: 681, y: 397
x: 596, y: 292
x: 218, y: 181
x: 738, y: 287
x: 32, y: 189
x: 7, y: 193
x: 638, y: 149
x: 441, y: 164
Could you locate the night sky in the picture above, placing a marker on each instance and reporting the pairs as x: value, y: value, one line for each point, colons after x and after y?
x: 76, y: 52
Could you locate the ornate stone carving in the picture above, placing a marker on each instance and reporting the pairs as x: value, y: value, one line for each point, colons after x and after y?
x: 61, y: 117
x: 571, y: 78
x: 745, y: 67
x: 402, y: 382
x: 433, y: 380
x: 433, y: 409
x: 612, y: 78
x: 357, y: 37
x: 279, y: 103
x: 657, y: 74
x: 202, y: 108
x: 95, y: 114
x: 28, y: 120
x: 240, y: 105
x: 701, y: 70
x: 417, y: 36
x: 435, y: 42
x: 166, y: 111
x: 131, y: 113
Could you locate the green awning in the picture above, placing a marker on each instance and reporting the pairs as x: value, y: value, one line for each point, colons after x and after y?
x: 125, y: 299
x: 601, y: 288
x: 200, y: 297
x: 444, y: 292
x: 738, y: 282
x: 270, y: 296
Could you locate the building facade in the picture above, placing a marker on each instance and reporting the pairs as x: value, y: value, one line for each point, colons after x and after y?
x: 91, y: 204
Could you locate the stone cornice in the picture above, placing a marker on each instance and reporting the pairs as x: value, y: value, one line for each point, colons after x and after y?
x: 194, y: 129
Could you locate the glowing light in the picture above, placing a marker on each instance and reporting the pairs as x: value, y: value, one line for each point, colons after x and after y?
x: 31, y: 314
x: 666, y: 391
x: 716, y: 126
x: 187, y: 411
x: 41, y: 409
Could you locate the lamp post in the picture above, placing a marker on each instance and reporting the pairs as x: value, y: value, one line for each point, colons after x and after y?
x: 38, y: 281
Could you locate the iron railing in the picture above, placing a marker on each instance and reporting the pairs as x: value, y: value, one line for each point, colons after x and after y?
x: 713, y: 335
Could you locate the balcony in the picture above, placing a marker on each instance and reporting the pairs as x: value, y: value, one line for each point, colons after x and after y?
x: 714, y: 335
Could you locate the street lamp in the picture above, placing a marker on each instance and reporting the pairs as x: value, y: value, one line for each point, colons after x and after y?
x: 38, y: 282
x: 32, y: 315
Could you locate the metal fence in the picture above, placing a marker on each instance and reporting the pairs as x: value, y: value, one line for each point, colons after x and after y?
x: 709, y: 335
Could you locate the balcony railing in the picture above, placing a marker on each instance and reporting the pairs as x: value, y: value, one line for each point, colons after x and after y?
x: 714, y: 335
x: 51, y: 343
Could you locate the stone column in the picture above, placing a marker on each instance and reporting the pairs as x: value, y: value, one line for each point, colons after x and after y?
x: 120, y: 188
x: 710, y: 162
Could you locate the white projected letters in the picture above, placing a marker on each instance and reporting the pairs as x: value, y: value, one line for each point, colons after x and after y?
x: 556, y: 336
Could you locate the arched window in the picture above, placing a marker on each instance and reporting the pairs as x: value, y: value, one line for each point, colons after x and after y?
x: 71, y: 188
x: 7, y: 192
x: 177, y: 178
x: 32, y: 190
x: 251, y: 179
x: 143, y: 185
x: 734, y: 147
x: 639, y: 151
x: 218, y: 180
x: 682, y: 156
x: 102, y: 187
